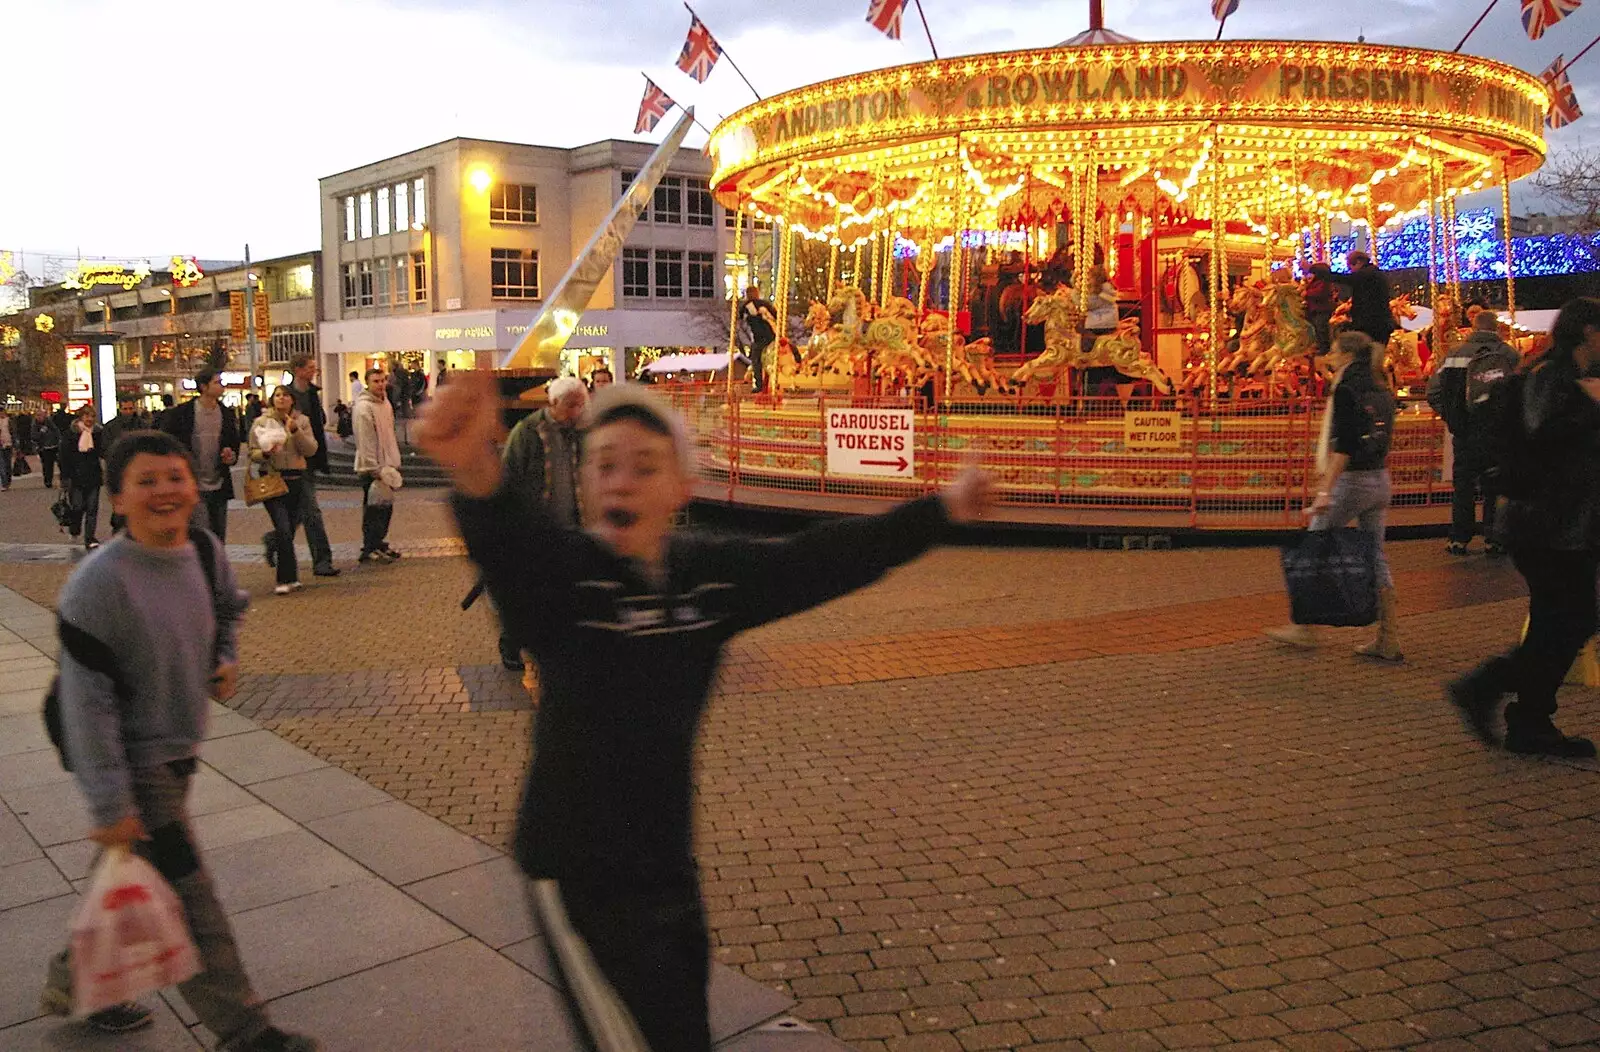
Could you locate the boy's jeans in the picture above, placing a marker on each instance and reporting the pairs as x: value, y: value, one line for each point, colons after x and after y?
x: 220, y: 994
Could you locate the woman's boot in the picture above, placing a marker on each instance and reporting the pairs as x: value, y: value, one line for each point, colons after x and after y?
x: 1387, y: 646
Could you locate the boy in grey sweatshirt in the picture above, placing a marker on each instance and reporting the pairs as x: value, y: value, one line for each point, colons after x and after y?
x: 147, y: 638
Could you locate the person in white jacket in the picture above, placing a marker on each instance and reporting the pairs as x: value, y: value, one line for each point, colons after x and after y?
x: 377, y: 465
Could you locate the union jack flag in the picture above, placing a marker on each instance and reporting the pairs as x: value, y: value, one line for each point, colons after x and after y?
x: 1223, y: 8
x: 652, y: 108
x: 700, y: 51
x: 885, y: 17
x: 1563, y: 100
x: 1539, y: 15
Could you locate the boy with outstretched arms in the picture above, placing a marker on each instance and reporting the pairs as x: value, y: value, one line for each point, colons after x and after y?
x: 627, y: 620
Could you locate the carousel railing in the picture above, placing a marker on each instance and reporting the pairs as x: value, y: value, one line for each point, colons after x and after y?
x: 1173, y: 460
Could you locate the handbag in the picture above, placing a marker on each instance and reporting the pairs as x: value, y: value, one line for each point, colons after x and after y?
x: 264, y: 487
x: 1332, y: 577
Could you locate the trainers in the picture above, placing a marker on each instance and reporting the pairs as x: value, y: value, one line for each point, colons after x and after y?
x: 283, y: 589
x: 118, y: 1019
x: 1476, y: 706
x: 1547, y: 740
x: 1455, y: 548
x: 326, y: 571
x: 371, y: 557
x: 388, y: 553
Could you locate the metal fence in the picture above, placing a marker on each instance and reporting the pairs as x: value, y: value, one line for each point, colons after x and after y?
x: 1159, y: 461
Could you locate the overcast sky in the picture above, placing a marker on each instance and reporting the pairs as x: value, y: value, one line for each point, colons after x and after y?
x: 140, y: 131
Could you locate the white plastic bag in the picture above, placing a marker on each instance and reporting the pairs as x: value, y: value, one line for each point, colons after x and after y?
x: 129, y: 936
x: 270, y: 434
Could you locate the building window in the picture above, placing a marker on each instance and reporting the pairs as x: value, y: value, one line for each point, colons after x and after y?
x: 698, y: 204
x: 702, y: 275
x: 627, y: 181
x: 510, y: 203
x: 402, y: 217
x: 419, y: 202
x: 668, y: 205
x: 364, y: 283
x: 513, y: 274
x: 383, y: 210
x: 669, y: 273
x: 419, y: 265
x: 297, y: 282
x: 350, y: 219
x: 380, y: 282
x: 349, y: 283
x: 402, y: 270
x: 636, y: 273
x: 365, y: 210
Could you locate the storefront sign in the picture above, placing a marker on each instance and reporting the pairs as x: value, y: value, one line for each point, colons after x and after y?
x: 589, y: 330
x: 93, y: 275
x: 871, y: 442
x: 465, y: 332
x: 236, y: 319
x: 186, y: 273
x: 1152, y: 431
x: 263, y: 315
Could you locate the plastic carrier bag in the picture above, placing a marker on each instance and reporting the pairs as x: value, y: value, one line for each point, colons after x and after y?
x: 129, y: 936
x: 1332, y: 577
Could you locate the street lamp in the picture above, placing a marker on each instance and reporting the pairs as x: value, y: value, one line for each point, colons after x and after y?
x: 481, y: 179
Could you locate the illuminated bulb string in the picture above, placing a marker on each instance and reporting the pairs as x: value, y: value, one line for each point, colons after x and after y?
x: 1481, y: 251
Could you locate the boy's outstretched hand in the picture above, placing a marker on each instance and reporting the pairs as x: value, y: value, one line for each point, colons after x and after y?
x: 969, y: 494
x: 460, y: 427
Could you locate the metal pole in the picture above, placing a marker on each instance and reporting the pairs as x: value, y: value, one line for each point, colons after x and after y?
x: 924, y: 17
x: 731, y: 62
x: 250, y: 317
x: 1505, y: 220
x: 1471, y: 31
x: 733, y: 312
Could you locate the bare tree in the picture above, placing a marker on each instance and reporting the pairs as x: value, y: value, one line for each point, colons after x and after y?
x: 1571, y: 182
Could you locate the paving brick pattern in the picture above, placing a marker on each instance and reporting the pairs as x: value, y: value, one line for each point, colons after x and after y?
x: 1047, y: 799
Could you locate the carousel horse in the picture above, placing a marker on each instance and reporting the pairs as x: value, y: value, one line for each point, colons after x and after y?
x: 1063, y: 347
x: 1403, y: 358
x: 1254, y: 337
x: 1123, y: 351
x: 1288, y: 328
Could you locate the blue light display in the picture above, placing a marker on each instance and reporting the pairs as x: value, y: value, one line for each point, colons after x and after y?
x: 1481, y: 250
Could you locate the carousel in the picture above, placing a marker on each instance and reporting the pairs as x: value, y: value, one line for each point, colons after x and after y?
x: 1089, y: 264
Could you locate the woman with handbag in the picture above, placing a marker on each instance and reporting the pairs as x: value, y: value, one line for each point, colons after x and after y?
x: 1352, y: 457
x: 280, y: 441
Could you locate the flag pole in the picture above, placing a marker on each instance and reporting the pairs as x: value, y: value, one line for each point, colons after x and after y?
x: 1585, y: 51
x: 678, y: 104
x: 1476, y: 24
x: 922, y: 15
x: 729, y: 57
x: 1222, y: 25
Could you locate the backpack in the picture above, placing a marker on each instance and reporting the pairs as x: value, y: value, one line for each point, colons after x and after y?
x: 1377, y: 413
x: 1514, y: 464
x: 96, y: 656
x: 1484, y: 371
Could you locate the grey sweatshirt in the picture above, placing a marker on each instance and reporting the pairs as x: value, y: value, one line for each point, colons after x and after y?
x: 149, y: 606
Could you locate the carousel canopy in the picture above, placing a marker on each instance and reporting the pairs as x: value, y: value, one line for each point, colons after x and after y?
x: 1271, y: 134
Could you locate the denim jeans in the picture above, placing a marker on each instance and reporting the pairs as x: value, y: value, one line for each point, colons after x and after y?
x: 374, y: 518
x: 220, y: 994
x: 6, y: 454
x: 309, y: 515
x: 47, y: 464
x: 285, y: 514
x: 212, y: 513
x: 85, y: 504
x: 1361, y: 496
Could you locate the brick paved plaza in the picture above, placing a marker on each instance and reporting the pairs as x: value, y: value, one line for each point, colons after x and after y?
x: 1028, y: 797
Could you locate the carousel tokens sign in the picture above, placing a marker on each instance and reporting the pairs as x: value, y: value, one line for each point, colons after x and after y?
x: 872, y: 442
x: 1152, y: 431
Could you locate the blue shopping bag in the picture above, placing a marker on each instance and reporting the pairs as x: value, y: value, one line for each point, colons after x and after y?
x: 1332, y: 577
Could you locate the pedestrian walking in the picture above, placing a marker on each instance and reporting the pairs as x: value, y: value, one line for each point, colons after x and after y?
x: 541, y: 460
x: 1369, y: 296
x: 308, y: 403
x: 252, y: 409
x: 356, y: 387
x: 82, y: 450
x: 1552, y: 525
x: 148, y: 635
x: 627, y: 621
x: 126, y: 420
x: 47, y: 436
x: 210, y: 430
x: 282, y: 440
x: 1459, y: 392
x: 377, y: 464
x: 6, y: 450
x: 1352, y: 457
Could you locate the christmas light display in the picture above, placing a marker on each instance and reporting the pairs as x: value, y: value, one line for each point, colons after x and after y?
x: 1480, y: 250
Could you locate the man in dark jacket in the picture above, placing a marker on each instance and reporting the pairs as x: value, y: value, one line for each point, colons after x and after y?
x: 1369, y: 296
x: 761, y: 316
x: 1458, y: 392
x: 82, y: 448
x: 308, y: 399
x: 210, y: 431
x: 127, y: 419
x: 1552, y: 522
